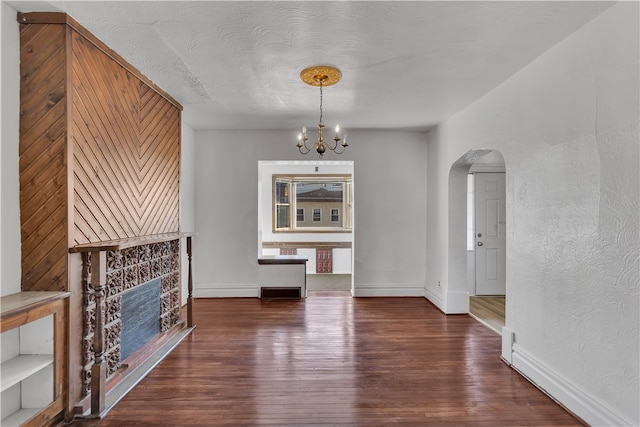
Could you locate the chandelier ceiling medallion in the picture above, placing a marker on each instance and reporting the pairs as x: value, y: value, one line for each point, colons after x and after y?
x: 321, y: 75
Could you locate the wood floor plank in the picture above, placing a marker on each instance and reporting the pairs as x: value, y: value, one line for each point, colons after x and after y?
x: 489, y: 310
x: 334, y: 361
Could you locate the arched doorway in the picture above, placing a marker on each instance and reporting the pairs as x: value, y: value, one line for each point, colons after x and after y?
x: 486, y: 240
x: 477, y: 211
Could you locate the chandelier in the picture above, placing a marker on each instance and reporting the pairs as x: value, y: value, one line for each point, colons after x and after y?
x: 321, y: 75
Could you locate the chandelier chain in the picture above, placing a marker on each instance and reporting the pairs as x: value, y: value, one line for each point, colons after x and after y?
x: 320, y: 101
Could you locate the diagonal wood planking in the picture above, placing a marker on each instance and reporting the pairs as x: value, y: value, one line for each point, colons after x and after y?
x: 42, y: 158
x: 159, y: 163
x: 104, y: 160
x: 99, y: 152
x: 126, y: 152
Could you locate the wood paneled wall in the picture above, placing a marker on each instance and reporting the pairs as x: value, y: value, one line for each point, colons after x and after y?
x: 99, y: 148
x: 126, y: 151
x: 43, y: 157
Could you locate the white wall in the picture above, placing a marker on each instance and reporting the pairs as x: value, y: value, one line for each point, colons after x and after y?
x: 9, y: 180
x: 187, y: 197
x: 342, y: 261
x: 567, y: 126
x: 389, y: 171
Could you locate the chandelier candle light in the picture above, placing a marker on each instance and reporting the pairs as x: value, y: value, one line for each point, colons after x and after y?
x: 321, y: 75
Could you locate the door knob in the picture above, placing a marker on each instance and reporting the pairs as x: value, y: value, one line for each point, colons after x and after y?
x: 480, y: 243
x: 479, y: 234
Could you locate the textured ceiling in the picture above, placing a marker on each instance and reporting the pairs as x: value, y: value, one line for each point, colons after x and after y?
x: 236, y: 65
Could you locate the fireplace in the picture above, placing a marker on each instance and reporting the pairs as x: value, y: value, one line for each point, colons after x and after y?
x: 142, y: 300
x: 140, y: 316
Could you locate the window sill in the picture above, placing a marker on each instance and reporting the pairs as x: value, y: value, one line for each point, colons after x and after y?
x: 310, y: 230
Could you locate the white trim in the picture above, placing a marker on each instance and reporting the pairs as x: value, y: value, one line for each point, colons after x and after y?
x: 507, y: 345
x: 457, y: 302
x: 434, y: 298
x: 214, y: 290
x: 211, y: 290
x: 388, y: 290
x: 487, y: 167
x: 576, y: 399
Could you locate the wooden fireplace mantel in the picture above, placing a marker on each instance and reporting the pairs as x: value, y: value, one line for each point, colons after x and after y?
x: 95, y: 255
x: 115, y: 245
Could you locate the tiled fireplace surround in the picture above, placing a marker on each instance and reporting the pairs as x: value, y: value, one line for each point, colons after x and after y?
x: 126, y: 270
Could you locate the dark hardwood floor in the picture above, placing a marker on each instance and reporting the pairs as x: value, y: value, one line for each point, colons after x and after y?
x: 334, y: 361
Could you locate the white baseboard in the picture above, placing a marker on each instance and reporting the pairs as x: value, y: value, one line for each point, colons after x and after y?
x: 388, y: 290
x: 226, y: 291
x: 457, y: 302
x: 570, y: 395
x: 507, y: 345
x: 253, y: 290
x: 434, y: 298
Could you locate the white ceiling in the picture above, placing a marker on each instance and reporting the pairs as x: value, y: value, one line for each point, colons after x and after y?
x: 236, y: 64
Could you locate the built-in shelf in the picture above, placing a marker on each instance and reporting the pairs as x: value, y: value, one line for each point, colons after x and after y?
x: 21, y: 367
x: 35, y: 373
x: 282, y: 276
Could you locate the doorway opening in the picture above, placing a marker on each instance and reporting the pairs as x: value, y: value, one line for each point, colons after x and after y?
x: 306, y: 209
x: 473, y: 254
x: 486, y: 240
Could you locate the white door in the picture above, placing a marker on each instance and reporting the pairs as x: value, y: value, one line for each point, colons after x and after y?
x: 490, y: 230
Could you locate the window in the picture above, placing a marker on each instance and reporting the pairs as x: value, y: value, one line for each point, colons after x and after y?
x: 471, y: 239
x: 282, y: 204
x: 313, y: 193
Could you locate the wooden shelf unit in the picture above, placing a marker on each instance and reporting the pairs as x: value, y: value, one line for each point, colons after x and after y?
x: 16, y: 311
x: 21, y: 367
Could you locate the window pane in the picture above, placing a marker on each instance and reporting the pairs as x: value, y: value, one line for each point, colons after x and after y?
x: 282, y: 192
x: 319, y: 196
x: 326, y: 199
x: 282, y: 216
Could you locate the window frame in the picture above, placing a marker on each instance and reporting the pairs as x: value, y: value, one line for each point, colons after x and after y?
x: 279, y: 204
x: 344, y: 223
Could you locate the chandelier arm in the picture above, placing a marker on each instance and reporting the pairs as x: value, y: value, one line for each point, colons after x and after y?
x: 335, y: 144
x: 303, y: 152
x: 335, y: 149
x: 305, y: 146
